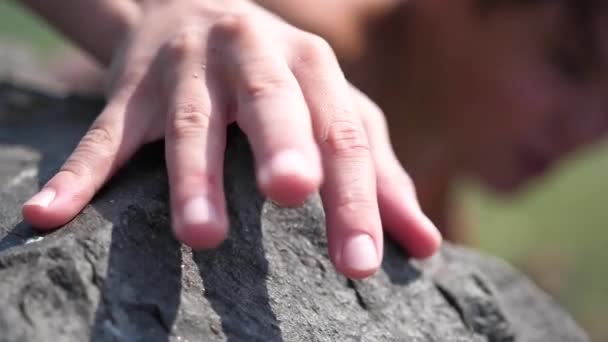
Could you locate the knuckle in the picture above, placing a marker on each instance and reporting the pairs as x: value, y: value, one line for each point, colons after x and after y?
x: 184, y: 44
x: 315, y: 51
x: 262, y: 86
x: 236, y: 25
x: 78, y: 166
x: 98, y: 141
x: 346, y: 138
x: 353, y: 203
x: 97, y: 148
x: 196, y: 177
x: 189, y: 119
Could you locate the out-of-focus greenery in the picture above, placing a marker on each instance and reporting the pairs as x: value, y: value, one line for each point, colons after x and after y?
x: 555, y: 231
x: 17, y: 25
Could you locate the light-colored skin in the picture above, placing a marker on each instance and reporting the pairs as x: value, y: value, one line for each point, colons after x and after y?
x: 499, y: 96
x: 186, y: 69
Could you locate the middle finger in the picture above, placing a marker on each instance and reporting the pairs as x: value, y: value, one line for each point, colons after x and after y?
x: 272, y: 112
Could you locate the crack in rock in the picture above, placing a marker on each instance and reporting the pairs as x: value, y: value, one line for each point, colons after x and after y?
x: 360, y: 300
x: 116, y: 273
x: 472, y: 298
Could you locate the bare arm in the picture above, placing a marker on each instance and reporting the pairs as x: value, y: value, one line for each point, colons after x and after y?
x: 97, y: 26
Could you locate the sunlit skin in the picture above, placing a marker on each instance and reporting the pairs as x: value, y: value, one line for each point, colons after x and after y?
x: 499, y: 96
x: 183, y: 70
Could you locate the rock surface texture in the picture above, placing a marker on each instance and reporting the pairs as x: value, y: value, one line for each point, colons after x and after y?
x: 116, y: 274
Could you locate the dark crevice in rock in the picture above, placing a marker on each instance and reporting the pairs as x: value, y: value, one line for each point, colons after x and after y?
x: 116, y: 273
x: 451, y: 300
x: 352, y: 285
x: 153, y: 310
x: 478, y: 309
x: 89, y: 257
x: 17, y: 237
x: 11, y: 260
x: 67, y: 278
x: 482, y: 284
x: 24, y: 314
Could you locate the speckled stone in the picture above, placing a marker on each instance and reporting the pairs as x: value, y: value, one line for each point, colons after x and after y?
x: 115, y: 273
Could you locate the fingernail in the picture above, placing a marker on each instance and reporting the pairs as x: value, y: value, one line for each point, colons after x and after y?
x: 43, y: 198
x: 284, y: 162
x: 359, y: 253
x: 197, y: 211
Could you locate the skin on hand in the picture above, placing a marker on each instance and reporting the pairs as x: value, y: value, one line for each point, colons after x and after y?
x: 191, y: 68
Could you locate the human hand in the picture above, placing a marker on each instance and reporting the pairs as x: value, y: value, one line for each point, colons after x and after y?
x: 190, y: 68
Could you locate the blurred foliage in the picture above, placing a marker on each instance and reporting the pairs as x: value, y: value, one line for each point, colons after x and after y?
x: 555, y: 231
x: 18, y: 25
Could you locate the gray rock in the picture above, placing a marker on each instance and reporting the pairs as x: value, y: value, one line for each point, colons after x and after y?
x: 115, y: 273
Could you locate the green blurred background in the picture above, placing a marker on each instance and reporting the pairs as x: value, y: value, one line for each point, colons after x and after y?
x: 555, y: 230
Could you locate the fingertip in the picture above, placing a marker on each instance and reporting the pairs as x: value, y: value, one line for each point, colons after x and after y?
x: 289, y: 178
x: 358, y: 257
x: 435, y: 238
x: 36, y: 216
x: 41, y: 211
x: 199, y: 225
x: 419, y: 236
x: 429, y: 241
x: 358, y: 274
x: 201, y: 237
x: 355, y: 273
x: 44, y: 219
x: 405, y: 221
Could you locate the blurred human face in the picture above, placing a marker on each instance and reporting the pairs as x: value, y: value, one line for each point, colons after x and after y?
x: 513, y: 88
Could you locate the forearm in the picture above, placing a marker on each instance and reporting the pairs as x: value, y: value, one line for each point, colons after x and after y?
x: 97, y: 26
